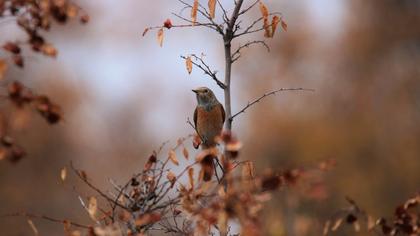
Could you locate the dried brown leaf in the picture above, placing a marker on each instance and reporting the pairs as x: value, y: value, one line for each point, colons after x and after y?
x: 274, y: 22
x: 145, y: 31
x: 147, y: 219
x: 267, y: 29
x: 160, y: 37
x: 264, y: 10
x: 194, y: 10
x: 326, y: 228
x: 33, y: 227
x: 63, y: 174
x: 3, y: 68
x: 171, y: 177
x: 185, y: 153
x: 337, y: 224
x: 49, y: 50
x: 248, y: 170
x: 92, y: 207
x: 284, y: 25
x: 189, y: 64
x: 212, y: 8
x: 191, y: 176
x: 172, y: 157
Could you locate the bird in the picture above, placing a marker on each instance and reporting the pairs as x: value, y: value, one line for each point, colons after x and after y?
x: 209, y: 117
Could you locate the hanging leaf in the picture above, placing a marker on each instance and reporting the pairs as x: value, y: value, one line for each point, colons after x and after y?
x: 191, y: 176
x: 92, y: 207
x: 3, y: 68
x: 188, y: 63
x: 212, y: 8
x: 274, y: 22
x: 172, y: 178
x: 172, y: 157
x: 248, y: 170
x: 145, y: 31
x: 33, y: 227
x: 185, y: 153
x: 160, y: 36
x: 284, y: 25
x: 194, y: 10
x: 267, y: 30
x: 49, y: 50
x: 264, y: 10
x: 63, y: 174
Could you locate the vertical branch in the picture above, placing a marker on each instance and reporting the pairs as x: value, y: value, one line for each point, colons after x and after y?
x: 227, y: 38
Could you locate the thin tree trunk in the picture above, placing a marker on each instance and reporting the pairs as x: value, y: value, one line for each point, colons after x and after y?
x: 228, y: 70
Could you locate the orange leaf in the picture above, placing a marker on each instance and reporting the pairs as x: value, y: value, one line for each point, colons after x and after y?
x: 172, y: 157
x: 3, y: 68
x: 63, y: 174
x: 267, y: 32
x: 264, y: 10
x: 185, y: 153
x: 191, y: 176
x: 171, y: 177
x: 194, y: 10
x: 33, y: 227
x: 148, y: 219
x: 212, y: 8
x: 188, y: 63
x: 92, y: 207
x: 284, y: 25
x: 160, y: 37
x: 49, y: 50
x: 145, y: 31
x: 248, y: 170
x: 274, y: 22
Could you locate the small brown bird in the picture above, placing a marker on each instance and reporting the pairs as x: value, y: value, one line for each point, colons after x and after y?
x: 209, y: 116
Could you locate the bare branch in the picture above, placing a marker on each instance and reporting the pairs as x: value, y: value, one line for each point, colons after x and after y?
x: 250, y: 29
x: 206, y: 69
x: 237, y: 53
x: 203, y: 11
x: 195, y: 24
x: 225, y: 17
x: 264, y: 96
x: 48, y: 218
x: 249, y: 8
x: 102, y: 194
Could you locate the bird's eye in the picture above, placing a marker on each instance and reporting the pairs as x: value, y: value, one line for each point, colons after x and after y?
x: 206, y: 90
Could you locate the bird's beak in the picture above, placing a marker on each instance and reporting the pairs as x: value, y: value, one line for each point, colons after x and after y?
x: 195, y: 91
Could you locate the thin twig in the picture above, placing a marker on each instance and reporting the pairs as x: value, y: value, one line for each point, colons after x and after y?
x: 206, y: 69
x: 237, y: 54
x: 266, y: 95
x: 30, y: 215
x: 250, y: 29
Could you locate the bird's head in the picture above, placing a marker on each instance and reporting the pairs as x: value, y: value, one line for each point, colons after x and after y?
x: 205, y: 96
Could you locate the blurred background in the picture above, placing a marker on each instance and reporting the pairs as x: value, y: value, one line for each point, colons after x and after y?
x: 123, y: 95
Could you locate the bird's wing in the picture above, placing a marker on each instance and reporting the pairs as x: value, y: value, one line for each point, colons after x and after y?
x: 195, y: 117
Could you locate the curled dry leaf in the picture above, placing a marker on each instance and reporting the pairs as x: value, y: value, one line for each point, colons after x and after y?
x: 49, y: 50
x: 145, y: 31
x: 3, y: 68
x: 196, y: 141
x: 160, y: 37
x: 146, y: 219
x: 191, y: 177
x: 92, y: 207
x: 63, y: 174
x: 171, y: 177
x: 194, y: 10
x: 248, y: 170
x: 274, y: 22
x: 189, y: 65
x: 284, y: 25
x: 264, y: 10
x: 185, y: 153
x: 172, y: 157
x: 212, y: 8
x: 33, y: 227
